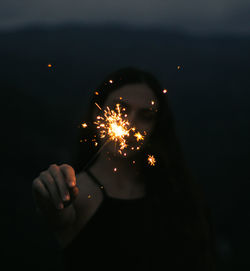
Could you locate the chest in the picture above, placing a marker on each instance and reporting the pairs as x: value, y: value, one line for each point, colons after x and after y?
x: 118, y: 230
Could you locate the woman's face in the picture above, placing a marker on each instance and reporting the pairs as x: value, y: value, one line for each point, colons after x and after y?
x: 140, y: 105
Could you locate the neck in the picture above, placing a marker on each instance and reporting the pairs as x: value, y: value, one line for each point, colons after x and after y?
x: 118, y: 174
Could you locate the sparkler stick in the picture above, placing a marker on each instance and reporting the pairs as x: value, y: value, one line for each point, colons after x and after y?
x: 90, y: 162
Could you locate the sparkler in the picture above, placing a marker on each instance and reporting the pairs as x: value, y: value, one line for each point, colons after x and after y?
x: 114, y: 126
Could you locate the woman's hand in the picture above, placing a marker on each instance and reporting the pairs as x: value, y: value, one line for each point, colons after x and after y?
x: 53, y: 190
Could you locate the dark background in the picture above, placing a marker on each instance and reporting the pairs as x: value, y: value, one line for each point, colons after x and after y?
x: 42, y: 106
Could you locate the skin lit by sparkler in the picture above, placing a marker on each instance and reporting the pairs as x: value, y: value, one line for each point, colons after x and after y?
x: 151, y: 160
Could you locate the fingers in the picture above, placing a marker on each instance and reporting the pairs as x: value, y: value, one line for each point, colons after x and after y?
x: 41, y: 195
x: 57, y: 185
x: 60, y: 181
x: 38, y: 188
x: 75, y: 191
x: 70, y: 179
x: 69, y: 174
x: 51, y: 186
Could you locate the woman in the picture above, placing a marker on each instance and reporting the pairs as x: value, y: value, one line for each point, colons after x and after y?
x: 117, y: 211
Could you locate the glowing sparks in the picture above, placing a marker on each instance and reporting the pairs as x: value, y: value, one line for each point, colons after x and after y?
x: 139, y: 136
x: 84, y: 125
x: 114, y: 126
x: 110, y: 81
x: 49, y: 65
x: 98, y: 106
x: 96, y: 93
x: 151, y: 160
x: 165, y: 91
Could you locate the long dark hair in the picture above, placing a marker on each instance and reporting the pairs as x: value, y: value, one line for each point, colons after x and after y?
x: 178, y: 209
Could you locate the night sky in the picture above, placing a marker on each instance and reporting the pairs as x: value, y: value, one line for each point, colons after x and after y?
x: 194, y: 15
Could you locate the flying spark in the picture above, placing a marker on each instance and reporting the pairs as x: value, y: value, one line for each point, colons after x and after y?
x: 139, y: 136
x: 180, y: 67
x: 84, y: 125
x: 98, y: 106
x: 151, y: 160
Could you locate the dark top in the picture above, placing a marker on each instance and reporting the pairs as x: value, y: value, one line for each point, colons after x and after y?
x: 115, y: 237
